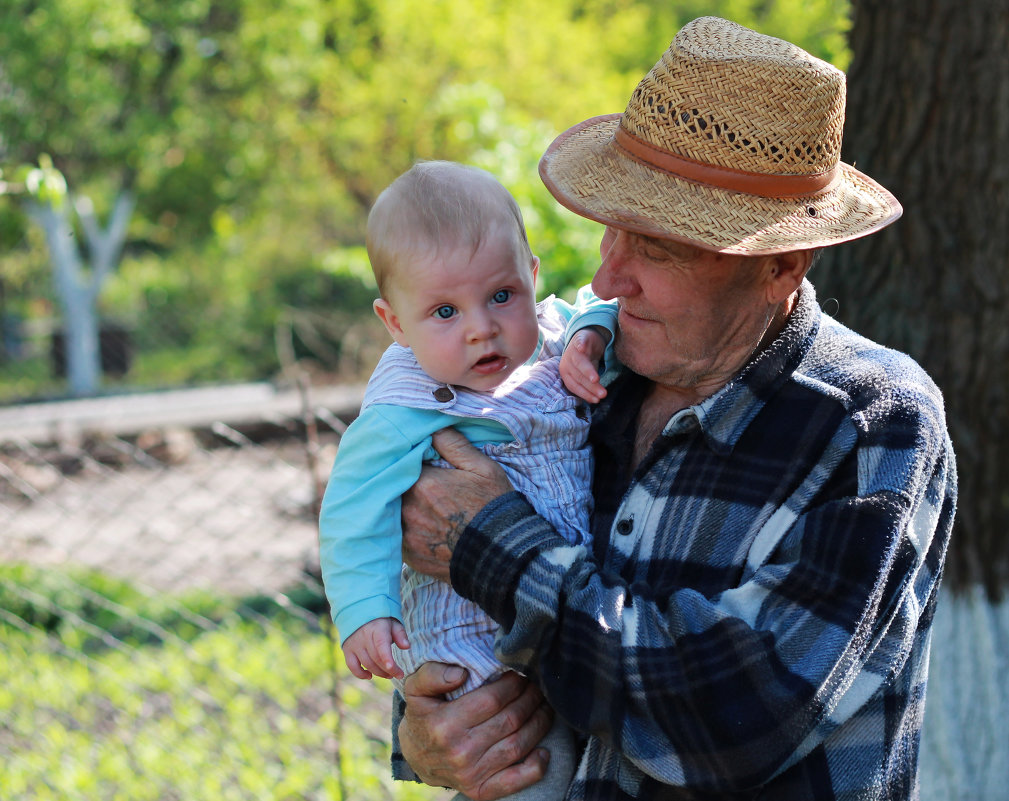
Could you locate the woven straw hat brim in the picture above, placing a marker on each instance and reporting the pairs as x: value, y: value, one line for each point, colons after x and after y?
x: 587, y: 172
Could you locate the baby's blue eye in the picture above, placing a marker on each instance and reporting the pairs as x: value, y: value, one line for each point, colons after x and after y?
x: 502, y: 295
x: 444, y: 312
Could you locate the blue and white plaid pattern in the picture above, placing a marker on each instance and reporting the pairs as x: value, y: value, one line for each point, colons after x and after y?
x: 755, y: 617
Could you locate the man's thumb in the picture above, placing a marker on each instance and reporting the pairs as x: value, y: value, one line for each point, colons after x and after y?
x: 457, y: 450
x: 434, y: 679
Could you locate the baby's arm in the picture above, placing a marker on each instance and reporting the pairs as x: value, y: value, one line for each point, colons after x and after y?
x: 360, y: 549
x: 368, y: 650
x: 580, y: 361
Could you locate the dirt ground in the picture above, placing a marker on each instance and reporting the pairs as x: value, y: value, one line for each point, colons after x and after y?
x: 172, y: 512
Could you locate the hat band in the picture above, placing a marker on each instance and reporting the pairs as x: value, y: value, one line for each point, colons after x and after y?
x: 751, y: 183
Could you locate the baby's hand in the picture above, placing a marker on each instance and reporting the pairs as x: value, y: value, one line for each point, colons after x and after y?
x: 368, y: 650
x: 578, y: 364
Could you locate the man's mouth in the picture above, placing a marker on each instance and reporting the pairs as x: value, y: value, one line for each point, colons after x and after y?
x: 632, y: 317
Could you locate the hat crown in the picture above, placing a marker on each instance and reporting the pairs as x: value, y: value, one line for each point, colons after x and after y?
x: 727, y: 96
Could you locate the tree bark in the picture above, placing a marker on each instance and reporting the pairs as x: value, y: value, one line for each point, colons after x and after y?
x: 928, y: 116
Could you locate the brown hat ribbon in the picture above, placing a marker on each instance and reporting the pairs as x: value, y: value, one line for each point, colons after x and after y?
x: 760, y: 184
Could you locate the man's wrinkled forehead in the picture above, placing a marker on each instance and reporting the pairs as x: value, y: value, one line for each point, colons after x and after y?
x: 664, y: 248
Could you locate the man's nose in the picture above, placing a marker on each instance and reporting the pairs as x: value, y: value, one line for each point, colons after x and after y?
x: 612, y: 279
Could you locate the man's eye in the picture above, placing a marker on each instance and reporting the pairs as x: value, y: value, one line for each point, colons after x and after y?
x: 502, y: 296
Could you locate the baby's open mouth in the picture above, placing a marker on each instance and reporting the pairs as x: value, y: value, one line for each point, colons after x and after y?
x: 491, y: 363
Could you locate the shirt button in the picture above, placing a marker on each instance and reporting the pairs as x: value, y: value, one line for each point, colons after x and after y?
x: 625, y: 526
x: 443, y: 394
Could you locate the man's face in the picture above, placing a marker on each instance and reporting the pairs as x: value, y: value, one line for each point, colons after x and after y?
x: 689, y: 318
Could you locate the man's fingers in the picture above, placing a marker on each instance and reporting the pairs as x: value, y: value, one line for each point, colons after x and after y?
x: 464, y: 743
x: 453, y: 445
x: 516, y: 777
x: 515, y: 701
x: 514, y: 762
x: 518, y: 731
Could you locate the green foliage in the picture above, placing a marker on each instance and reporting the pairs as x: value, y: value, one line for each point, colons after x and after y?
x: 239, y: 708
x: 45, y: 182
x: 87, y: 602
x: 256, y: 135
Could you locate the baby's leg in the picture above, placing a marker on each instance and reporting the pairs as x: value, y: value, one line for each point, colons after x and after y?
x: 444, y: 627
x: 560, y: 742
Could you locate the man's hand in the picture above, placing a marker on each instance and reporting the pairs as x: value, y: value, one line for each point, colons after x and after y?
x: 440, y: 505
x: 579, y: 363
x: 482, y: 743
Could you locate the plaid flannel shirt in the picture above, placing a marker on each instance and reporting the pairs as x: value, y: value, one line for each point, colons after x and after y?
x: 754, y: 618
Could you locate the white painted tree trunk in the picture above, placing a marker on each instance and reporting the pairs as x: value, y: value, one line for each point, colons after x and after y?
x: 78, y: 287
x: 965, y: 741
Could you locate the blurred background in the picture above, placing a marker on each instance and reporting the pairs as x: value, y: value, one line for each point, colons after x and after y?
x: 186, y: 326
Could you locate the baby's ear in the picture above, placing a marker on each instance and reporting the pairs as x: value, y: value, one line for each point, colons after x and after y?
x: 536, y: 268
x: 390, y: 321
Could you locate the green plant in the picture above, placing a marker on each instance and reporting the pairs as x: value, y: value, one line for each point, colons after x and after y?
x: 107, y: 691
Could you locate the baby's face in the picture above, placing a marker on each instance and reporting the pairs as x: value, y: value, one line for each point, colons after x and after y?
x: 470, y: 318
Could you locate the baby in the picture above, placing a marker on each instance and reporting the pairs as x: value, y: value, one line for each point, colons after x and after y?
x: 472, y: 350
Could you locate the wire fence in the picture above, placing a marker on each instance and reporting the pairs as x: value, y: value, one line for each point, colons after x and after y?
x: 163, y: 632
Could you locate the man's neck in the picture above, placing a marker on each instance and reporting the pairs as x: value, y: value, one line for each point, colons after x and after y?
x: 659, y: 405
x: 663, y: 400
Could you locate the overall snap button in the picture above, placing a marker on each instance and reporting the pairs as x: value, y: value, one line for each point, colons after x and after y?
x: 443, y: 394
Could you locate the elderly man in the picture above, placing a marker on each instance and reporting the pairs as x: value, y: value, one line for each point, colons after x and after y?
x: 774, y: 493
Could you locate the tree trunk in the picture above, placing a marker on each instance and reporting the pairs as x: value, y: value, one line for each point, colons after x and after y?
x: 77, y: 288
x: 928, y: 116
x: 80, y: 320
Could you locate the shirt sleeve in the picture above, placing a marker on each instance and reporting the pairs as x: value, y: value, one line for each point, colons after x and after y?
x: 360, y: 532
x: 719, y: 693
x: 590, y: 311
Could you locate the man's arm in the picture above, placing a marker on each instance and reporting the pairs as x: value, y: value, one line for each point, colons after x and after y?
x: 723, y: 691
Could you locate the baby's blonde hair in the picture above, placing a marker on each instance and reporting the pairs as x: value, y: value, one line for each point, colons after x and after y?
x: 437, y: 204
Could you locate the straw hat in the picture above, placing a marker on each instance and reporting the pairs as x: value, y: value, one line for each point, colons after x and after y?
x: 732, y: 143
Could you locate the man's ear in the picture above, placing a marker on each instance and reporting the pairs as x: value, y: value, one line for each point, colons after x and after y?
x: 785, y: 272
x: 390, y: 321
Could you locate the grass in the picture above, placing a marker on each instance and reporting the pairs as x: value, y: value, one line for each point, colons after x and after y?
x: 108, y: 693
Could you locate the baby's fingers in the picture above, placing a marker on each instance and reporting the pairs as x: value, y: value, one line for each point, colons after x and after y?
x: 399, y: 636
x: 381, y: 665
x: 585, y: 384
x: 380, y: 661
x: 355, y: 666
